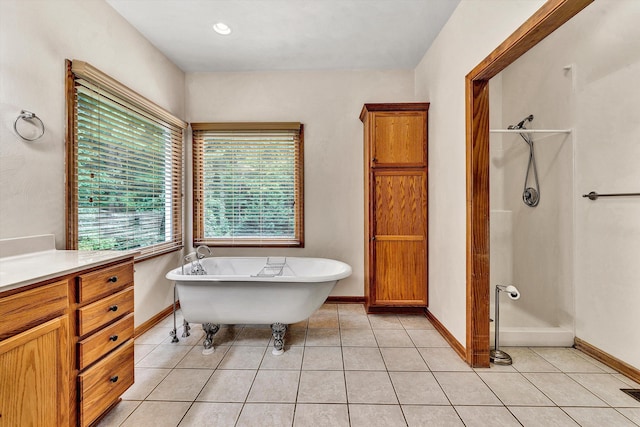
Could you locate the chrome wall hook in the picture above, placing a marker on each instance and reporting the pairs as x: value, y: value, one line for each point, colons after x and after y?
x: 30, y: 117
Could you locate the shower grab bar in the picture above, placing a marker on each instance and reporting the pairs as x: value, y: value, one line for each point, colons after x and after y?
x: 594, y: 196
x: 530, y: 130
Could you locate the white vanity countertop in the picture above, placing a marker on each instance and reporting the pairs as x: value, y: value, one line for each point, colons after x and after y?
x: 26, y: 269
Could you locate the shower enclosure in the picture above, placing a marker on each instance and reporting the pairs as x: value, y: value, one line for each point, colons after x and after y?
x: 531, y: 231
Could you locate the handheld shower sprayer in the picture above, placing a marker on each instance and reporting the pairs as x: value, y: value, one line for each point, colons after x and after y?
x: 530, y: 195
x: 520, y: 125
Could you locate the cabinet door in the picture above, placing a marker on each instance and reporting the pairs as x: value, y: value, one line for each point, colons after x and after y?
x: 399, y: 139
x: 400, y: 238
x: 34, y: 376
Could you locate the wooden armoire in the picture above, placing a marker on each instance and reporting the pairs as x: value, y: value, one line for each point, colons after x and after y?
x: 395, y: 187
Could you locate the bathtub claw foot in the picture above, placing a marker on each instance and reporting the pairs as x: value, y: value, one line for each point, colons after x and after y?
x: 210, y: 329
x: 186, y: 329
x: 278, y: 330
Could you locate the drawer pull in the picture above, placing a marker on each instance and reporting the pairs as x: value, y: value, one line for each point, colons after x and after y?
x: 114, y: 379
x: 113, y: 308
x: 113, y: 338
x: 112, y: 279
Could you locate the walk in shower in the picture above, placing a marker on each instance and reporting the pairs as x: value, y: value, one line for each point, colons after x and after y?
x: 531, y: 224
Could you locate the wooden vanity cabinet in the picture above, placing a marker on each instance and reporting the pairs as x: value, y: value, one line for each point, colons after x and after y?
x: 104, y: 339
x: 34, y: 357
x: 395, y: 158
x: 66, y: 347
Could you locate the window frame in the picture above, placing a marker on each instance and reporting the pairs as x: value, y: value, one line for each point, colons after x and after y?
x: 199, y: 237
x: 130, y: 100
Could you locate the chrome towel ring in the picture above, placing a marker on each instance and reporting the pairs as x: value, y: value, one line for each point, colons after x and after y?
x: 31, y: 118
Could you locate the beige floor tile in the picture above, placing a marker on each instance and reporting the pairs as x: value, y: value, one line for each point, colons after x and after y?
x: 607, y: 387
x: 266, y: 415
x: 527, y: 360
x: 496, y: 368
x: 207, y: 414
x: 514, y: 389
x: 392, y: 338
x: 563, y: 390
x: 483, y: 416
x: 155, y: 335
x: 164, y: 356
x: 542, y: 417
x: 632, y: 413
x: 431, y: 416
x: 328, y: 320
x: 322, y: 358
x: 466, y: 388
x: 358, y: 338
x: 363, y: 359
x: 403, y: 359
x: 293, y: 337
x: 328, y: 307
x: 354, y: 321
x: 417, y: 388
x: 631, y: 383
x: 322, y: 387
x: 142, y: 350
x: 376, y: 416
x: 157, y: 414
x: 321, y: 415
x: 369, y: 387
x: 427, y: 338
x: 167, y: 322
x: 598, y: 417
x: 443, y: 359
x: 195, y: 358
x: 347, y: 309
x: 119, y: 413
x: 566, y: 359
x: 291, y: 359
x: 385, y: 321
x: 415, y: 321
x: 274, y: 387
x: 181, y: 385
x: 599, y: 364
x: 227, y: 386
x: 226, y: 335
x: 146, y: 379
x: 323, y: 337
x: 253, y: 337
x: 242, y: 357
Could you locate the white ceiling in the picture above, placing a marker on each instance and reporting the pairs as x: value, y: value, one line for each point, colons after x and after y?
x: 289, y: 34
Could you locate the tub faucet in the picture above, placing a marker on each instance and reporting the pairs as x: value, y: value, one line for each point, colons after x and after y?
x: 196, y: 267
x: 203, y: 251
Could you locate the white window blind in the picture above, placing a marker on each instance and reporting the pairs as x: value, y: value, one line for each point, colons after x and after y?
x: 126, y: 180
x: 248, y: 185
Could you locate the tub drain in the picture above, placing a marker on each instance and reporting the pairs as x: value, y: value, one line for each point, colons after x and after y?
x: 633, y: 392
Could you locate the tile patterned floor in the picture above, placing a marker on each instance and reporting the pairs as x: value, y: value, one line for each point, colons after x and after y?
x: 345, y: 368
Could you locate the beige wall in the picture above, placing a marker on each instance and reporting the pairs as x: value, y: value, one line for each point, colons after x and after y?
x: 328, y: 103
x: 472, y: 32
x: 36, y: 37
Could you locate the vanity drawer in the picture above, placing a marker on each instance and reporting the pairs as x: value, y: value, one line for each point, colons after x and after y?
x: 97, y: 345
x: 104, y: 311
x: 101, y: 385
x: 19, y: 310
x: 96, y: 284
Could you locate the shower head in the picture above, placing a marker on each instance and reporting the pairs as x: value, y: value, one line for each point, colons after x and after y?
x: 520, y: 125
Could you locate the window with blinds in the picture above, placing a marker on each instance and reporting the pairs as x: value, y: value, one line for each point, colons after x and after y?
x: 125, y: 176
x: 248, y: 184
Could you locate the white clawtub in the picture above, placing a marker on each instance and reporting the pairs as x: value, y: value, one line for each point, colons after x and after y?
x: 254, y: 290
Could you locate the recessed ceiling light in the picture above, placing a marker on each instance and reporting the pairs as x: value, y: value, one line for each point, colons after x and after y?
x: 222, y: 28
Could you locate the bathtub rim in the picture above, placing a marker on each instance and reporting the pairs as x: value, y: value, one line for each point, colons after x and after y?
x: 343, y: 272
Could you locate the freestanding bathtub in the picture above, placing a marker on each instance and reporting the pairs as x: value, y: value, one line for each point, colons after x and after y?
x: 254, y: 290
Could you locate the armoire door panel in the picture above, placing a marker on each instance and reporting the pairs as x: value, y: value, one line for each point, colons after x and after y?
x: 400, y: 272
x: 400, y: 203
x: 399, y: 139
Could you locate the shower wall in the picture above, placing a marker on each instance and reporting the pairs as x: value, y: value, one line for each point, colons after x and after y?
x: 570, y: 251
